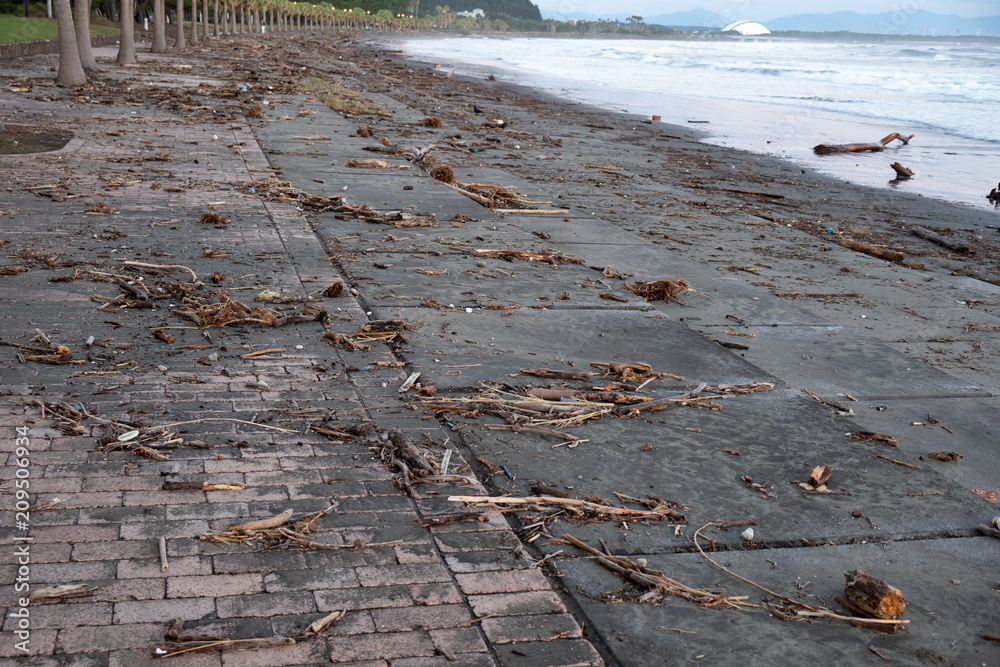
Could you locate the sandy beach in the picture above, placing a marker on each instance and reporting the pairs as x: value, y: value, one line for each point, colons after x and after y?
x: 747, y: 213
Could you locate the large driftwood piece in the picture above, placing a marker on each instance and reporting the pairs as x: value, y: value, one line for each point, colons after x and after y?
x: 873, y: 596
x: 881, y: 253
x: 934, y: 237
x: 828, y: 149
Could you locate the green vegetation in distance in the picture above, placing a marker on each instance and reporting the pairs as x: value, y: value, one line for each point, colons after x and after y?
x: 20, y: 29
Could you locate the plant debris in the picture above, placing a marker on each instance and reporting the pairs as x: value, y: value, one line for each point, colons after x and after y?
x: 549, y: 256
x: 868, y: 436
x: 659, y: 290
x: 659, y: 584
x: 282, y: 532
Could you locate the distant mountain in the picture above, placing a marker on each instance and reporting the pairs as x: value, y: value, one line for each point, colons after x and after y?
x: 887, y: 23
x: 902, y: 22
x: 695, y: 18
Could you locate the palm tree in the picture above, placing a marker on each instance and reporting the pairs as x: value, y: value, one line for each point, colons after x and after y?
x: 179, y: 41
x: 81, y: 21
x: 194, y: 22
x: 126, y: 47
x: 159, y: 26
x: 70, y: 71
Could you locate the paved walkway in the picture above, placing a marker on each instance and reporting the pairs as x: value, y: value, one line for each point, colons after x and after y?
x: 416, y: 601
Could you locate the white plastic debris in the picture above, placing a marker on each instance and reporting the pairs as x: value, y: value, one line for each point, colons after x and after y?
x: 747, y: 535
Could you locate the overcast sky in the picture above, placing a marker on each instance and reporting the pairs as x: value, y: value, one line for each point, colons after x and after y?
x: 762, y: 10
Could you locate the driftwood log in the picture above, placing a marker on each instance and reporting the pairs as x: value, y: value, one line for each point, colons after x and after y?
x: 901, y: 171
x: 557, y: 374
x: 591, y: 396
x: 873, y: 596
x: 829, y: 149
x: 934, y: 237
x: 405, y: 451
x: 881, y: 253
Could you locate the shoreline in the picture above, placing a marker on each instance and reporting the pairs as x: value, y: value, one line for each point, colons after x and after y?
x: 693, y: 178
x: 949, y: 165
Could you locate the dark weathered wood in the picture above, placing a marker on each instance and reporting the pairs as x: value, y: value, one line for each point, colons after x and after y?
x: 590, y: 396
x: 881, y: 253
x: 557, y: 374
x: 901, y: 171
x: 407, y: 452
x: 934, y: 237
x: 873, y: 596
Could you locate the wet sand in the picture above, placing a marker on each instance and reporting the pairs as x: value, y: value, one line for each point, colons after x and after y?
x: 763, y: 219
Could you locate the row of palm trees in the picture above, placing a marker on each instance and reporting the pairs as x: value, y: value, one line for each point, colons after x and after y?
x: 229, y: 17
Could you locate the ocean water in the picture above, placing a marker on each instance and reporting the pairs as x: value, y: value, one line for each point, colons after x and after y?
x: 780, y: 98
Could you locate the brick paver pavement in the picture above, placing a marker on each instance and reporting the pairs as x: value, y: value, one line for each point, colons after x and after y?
x: 414, y: 602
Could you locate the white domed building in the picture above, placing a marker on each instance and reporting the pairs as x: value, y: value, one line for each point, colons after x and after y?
x: 746, y: 29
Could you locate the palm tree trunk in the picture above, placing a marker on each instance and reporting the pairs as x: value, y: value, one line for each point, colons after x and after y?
x: 159, y: 26
x: 70, y: 71
x: 215, y: 16
x: 179, y: 41
x: 194, y: 22
x: 126, y: 47
x: 81, y: 22
x: 204, y: 19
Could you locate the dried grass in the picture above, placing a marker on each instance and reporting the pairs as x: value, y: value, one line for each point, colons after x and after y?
x: 341, y: 99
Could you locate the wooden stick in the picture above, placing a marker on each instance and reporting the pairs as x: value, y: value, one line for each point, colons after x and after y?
x: 322, y: 624
x: 664, y: 403
x: 170, y: 649
x: 431, y: 479
x: 251, y: 355
x: 471, y: 195
x: 881, y: 253
x: 445, y: 520
x: 262, y: 524
x: 409, y: 383
x: 163, y: 554
x: 808, y: 608
x: 557, y: 374
x: 163, y: 266
x: 530, y: 211
x: 528, y: 428
x: 899, y: 463
x: 169, y: 485
x: 229, y: 419
x: 569, y: 502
